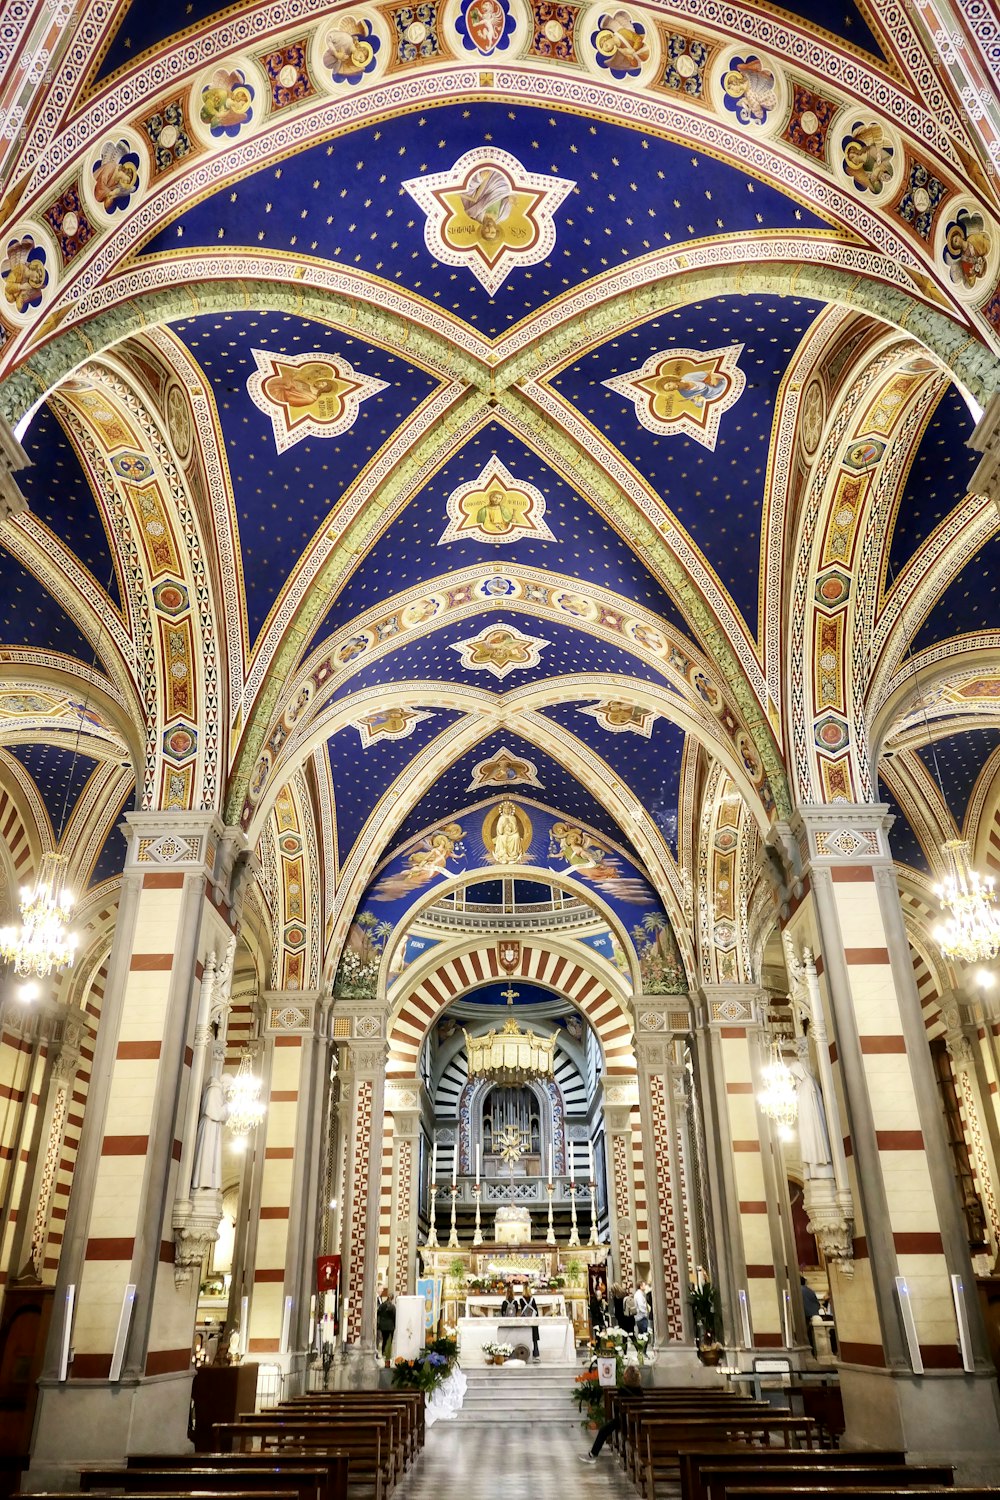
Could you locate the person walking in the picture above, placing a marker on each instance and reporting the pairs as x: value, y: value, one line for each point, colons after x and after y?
x: 385, y: 1322
x: 642, y: 1308
x: 629, y: 1390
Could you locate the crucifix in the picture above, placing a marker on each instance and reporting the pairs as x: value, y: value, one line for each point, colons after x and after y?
x: 510, y: 994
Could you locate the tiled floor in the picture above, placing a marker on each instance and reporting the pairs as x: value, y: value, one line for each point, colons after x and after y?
x: 537, y: 1461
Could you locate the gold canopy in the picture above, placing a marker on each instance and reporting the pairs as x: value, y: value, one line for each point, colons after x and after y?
x: 510, y: 1055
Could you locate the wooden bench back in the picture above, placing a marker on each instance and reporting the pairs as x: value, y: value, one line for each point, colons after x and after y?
x: 692, y: 1460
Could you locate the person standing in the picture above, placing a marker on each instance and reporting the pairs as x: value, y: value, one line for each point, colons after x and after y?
x: 385, y: 1322
x: 810, y: 1306
x: 629, y: 1390
x: 528, y: 1308
x: 641, y: 1308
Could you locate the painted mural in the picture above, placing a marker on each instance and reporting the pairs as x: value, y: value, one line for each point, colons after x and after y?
x: 510, y: 832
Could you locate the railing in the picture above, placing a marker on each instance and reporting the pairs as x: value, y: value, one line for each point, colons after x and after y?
x: 495, y: 919
x: 504, y: 1190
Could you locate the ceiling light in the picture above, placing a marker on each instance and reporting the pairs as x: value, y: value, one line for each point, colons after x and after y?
x: 971, y: 934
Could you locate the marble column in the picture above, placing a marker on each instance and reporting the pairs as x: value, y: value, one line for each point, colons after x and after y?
x: 909, y: 1232
x: 402, y: 1103
x: 669, y: 1254
x: 119, y: 1251
x: 362, y: 1079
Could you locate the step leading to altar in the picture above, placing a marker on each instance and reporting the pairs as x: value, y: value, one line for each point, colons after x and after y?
x: 520, y: 1392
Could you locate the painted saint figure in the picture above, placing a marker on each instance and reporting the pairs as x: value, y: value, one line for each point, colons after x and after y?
x: 507, y: 846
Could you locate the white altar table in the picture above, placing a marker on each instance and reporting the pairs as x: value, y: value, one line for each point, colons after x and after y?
x: 556, y: 1343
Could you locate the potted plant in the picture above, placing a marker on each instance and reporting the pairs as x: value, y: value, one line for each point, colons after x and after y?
x: 589, y: 1397
x: 704, y: 1300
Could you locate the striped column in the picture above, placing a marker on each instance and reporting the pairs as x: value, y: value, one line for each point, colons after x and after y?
x: 402, y: 1109
x: 35, y: 1235
x: 628, y: 1216
x: 664, y: 1188
x: 908, y: 1224
x: 283, y: 1273
x: 119, y: 1234
x: 362, y: 1081
x: 739, y: 1045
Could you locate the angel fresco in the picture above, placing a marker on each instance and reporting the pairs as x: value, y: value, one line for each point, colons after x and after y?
x: 427, y: 862
x: 350, y: 50
x: 868, y: 157
x: 24, y: 274
x: 226, y: 102
x: 116, y: 176
x: 967, y: 247
x: 750, y: 90
x: 620, y: 44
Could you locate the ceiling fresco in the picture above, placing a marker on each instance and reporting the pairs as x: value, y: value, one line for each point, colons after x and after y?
x: 411, y: 414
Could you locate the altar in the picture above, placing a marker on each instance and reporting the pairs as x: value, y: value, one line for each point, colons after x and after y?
x: 556, y: 1339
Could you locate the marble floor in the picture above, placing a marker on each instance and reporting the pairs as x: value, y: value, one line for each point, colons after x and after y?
x: 537, y: 1461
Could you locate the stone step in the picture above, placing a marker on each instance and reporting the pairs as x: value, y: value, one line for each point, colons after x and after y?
x: 520, y: 1393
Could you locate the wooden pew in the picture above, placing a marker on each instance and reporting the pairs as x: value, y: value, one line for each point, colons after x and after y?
x: 678, y: 1406
x: 367, y: 1444
x: 334, y: 1404
x: 392, y: 1417
x: 717, y: 1482
x: 775, y: 1460
x: 333, y: 1462
x: 660, y: 1439
x: 868, y: 1492
x: 309, y: 1482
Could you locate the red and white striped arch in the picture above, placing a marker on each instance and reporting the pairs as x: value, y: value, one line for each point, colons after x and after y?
x: 587, y: 983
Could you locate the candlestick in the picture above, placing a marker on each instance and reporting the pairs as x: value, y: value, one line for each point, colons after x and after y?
x: 477, y: 1238
x: 574, y: 1233
x: 432, y: 1239
x: 454, y: 1166
x: 593, y: 1213
x: 453, y: 1237
x: 590, y: 1154
x: 572, y: 1172
x: 550, y: 1238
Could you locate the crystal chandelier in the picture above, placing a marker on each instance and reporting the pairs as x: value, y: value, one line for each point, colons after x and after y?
x: 43, y: 942
x: 778, y: 1099
x: 972, y: 931
x: 245, y: 1106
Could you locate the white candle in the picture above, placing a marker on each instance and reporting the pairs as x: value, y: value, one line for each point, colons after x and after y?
x: 454, y: 1167
x: 590, y: 1153
x: 477, y: 1164
x: 572, y: 1174
x: 434, y: 1161
x: 550, y: 1163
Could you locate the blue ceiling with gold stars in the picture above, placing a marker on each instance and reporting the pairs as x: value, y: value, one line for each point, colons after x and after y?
x: 584, y: 546
x: 969, y: 603
x: 906, y: 847
x: 137, y: 26
x: 937, y: 480
x: 958, y: 760
x: 844, y: 19
x: 718, y: 494
x: 343, y: 201
x: 362, y: 775
x: 433, y: 658
x: 651, y: 768
x: 59, y: 774
x: 59, y: 493
x: 282, y: 498
x: 30, y: 615
x: 560, y: 791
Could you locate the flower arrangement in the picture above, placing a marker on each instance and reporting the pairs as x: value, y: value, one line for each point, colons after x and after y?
x: 589, y: 1396
x: 498, y: 1352
x: 430, y: 1369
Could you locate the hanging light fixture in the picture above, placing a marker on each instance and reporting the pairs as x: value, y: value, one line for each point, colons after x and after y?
x: 971, y: 934
x: 43, y: 942
x: 778, y: 1099
x: 245, y: 1106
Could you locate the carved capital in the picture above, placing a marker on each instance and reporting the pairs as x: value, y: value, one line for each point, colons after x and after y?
x: 195, y: 1223
x: 831, y: 1219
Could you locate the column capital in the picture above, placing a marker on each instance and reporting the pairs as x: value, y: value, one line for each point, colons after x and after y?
x: 195, y: 843
x: 732, y: 1005
x: 364, y: 1059
x: 842, y: 832
x: 292, y: 1012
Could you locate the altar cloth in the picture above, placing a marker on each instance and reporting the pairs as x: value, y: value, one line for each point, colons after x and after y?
x: 556, y: 1342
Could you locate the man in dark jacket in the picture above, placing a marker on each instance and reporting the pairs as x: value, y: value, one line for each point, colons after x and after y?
x: 385, y: 1322
x: 527, y: 1307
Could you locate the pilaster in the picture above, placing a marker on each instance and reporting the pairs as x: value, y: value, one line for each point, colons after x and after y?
x: 362, y: 1094
x: 402, y: 1102
x: 655, y: 1057
x: 628, y: 1222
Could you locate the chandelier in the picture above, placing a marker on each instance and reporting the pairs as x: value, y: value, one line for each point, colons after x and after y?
x: 778, y: 1099
x: 510, y: 1055
x: 43, y: 942
x: 972, y: 932
x: 246, y: 1109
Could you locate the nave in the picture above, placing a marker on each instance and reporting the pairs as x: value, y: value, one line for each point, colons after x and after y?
x: 537, y: 1461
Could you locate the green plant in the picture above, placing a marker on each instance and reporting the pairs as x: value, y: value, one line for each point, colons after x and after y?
x: 704, y: 1301
x: 574, y: 1272
x: 457, y: 1269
